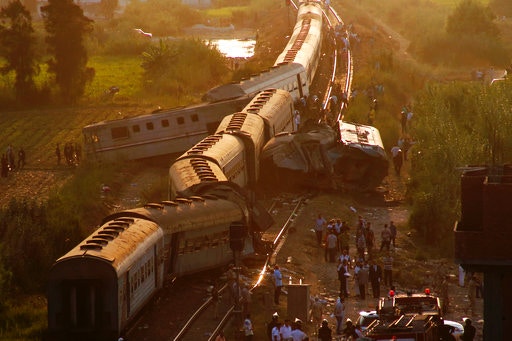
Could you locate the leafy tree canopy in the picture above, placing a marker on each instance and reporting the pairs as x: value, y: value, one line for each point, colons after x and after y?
x: 17, y: 47
x: 472, y: 18
x: 67, y: 26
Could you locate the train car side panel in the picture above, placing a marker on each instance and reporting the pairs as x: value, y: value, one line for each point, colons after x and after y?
x: 161, y: 133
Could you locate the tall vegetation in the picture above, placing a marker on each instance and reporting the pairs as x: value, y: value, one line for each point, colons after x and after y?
x: 171, y: 64
x: 455, y: 125
x: 67, y: 26
x: 17, y: 48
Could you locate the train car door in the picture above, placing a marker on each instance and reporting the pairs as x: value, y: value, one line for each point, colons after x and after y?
x: 83, y: 305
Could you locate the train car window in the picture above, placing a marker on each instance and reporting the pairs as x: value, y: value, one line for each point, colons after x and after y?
x: 136, y: 128
x: 180, y: 120
x: 194, y: 118
x: 150, y: 126
x: 165, y: 123
x: 119, y: 132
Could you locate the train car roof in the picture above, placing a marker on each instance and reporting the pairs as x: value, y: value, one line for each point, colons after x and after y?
x: 362, y: 137
x: 117, y: 242
x: 185, y: 214
x: 254, y: 84
x: 359, y: 133
x: 189, y: 171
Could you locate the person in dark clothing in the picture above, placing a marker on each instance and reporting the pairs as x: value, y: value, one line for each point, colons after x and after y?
x: 272, y: 324
x: 325, y: 333
x: 5, y: 166
x: 350, y: 330
x: 57, y: 153
x: 375, y: 276
x: 21, y: 158
x: 469, y: 331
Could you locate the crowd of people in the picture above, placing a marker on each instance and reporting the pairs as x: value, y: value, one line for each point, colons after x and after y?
x: 361, y: 264
x: 8, y: 161
x: 72, y: 154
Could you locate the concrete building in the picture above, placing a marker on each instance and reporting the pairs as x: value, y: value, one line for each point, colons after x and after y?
x: 483, y: 242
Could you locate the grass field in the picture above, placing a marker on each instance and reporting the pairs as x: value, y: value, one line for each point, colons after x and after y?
x: 124, y: 72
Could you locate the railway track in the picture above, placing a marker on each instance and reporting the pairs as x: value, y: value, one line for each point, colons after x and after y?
x: 201, y: 325
x: 186, y: 302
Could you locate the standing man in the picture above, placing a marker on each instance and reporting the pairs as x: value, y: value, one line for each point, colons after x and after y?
x: 339, y: 313
x: 324, y: 333
x: 296, y: 120
x: 392, y: 229
x: 320, y: 223
x: 398, y: 159
x: 332, y: 246
x: 388, y: 269
x: 276, y: 332
x: 57, y: 153
x: 272, y: 324
x: 278, y: 282
x: 385, y: 236
x: 21, y: 158
x: 375, y: 275
x: 342, y: 277
x: 469, y: 331
x: 317, y: 311
x: 362, y: 277
x: 248, y: 331
x: 286, y: 331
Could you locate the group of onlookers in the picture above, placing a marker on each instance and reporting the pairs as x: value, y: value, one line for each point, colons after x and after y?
x: 8, y: 162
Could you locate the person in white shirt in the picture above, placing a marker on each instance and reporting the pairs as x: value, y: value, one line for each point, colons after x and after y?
x: 286, y: 331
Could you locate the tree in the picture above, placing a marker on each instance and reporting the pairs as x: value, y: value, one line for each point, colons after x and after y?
x: 472, y: 18
x: 108, y: 7
x: 17, y: 48
x: 67, y: 26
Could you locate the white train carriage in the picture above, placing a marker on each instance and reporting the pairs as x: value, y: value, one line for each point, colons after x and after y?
x: 275, y: 107
x: 97, y: 287
x: 292, y: 77
x: 305, y: 44
x: 165, y: 132
x: 226, y: 151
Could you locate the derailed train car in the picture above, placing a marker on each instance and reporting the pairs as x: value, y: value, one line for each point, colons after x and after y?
x: 320, y: 155
x: 159, y: 133
x: 98, y: 287
x: 233, y: 152
x: 306, y: 40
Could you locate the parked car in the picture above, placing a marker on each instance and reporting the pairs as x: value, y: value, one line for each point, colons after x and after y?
x: 458, y: 329
x: 368, y: 316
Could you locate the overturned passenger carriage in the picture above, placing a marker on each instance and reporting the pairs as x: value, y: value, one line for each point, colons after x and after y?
x: 318, y: 155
